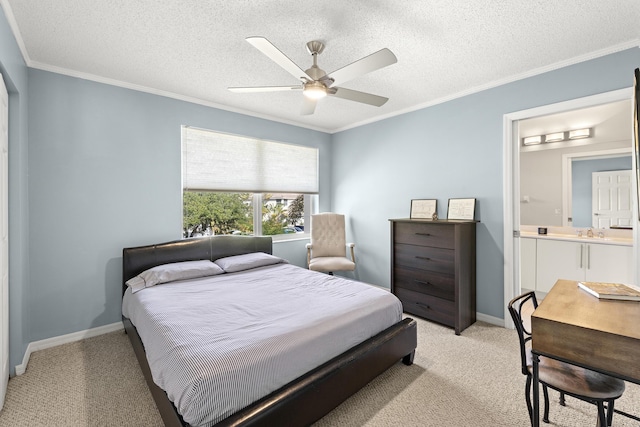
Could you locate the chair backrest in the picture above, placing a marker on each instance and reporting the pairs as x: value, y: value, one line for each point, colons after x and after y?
x: 521, y: 309
x: 328, y: 235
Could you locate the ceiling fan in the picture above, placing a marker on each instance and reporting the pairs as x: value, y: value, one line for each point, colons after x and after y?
x: 315, y: 82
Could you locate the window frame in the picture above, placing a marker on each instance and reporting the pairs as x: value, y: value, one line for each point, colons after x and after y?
x: 310, y: 199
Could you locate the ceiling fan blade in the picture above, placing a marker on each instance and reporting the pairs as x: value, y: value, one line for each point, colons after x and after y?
x: 266, y: 47
x: 308, y: 106
x: 264, y: 89
x: 370, y: 63
x: 354, y: 95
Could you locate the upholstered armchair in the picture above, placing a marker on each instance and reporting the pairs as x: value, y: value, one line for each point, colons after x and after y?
x: 327, y: 251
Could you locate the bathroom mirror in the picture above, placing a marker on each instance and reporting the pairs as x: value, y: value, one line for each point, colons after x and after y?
x: 555, y: 177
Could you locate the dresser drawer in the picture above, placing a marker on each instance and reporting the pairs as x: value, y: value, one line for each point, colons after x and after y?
x: 424, y: 234
x: 424, y: 258
x: 429, y: 307
x: 425, y: 282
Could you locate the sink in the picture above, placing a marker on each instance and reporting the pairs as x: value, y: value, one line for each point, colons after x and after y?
x: 612, y: 236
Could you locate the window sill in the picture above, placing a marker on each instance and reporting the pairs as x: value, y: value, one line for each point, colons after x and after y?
x: 280, y: 238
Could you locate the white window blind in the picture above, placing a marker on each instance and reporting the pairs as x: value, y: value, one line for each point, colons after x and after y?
x: 213, y: 161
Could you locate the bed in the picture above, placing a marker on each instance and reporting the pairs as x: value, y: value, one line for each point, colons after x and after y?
x: 315, y: 390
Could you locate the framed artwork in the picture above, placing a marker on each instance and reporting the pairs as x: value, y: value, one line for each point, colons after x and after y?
x: 461, y: 209
x: 423, y: 208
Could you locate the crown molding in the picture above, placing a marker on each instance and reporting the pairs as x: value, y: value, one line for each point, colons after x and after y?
x: 572, y: 61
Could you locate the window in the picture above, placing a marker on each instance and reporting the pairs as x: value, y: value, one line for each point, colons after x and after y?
x: 239, y: 185
x: 207, y: 213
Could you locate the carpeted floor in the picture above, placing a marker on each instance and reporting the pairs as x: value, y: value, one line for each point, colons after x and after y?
x: 468, y: 380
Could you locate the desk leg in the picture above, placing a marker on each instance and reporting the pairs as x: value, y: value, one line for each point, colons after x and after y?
x: 535, y: 422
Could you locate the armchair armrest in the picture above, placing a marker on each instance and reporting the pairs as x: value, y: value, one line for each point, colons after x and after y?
x: 353, y: 256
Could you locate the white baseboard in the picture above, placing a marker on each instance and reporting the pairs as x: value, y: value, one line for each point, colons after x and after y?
x: 64, y: 339
x: 490, y: 319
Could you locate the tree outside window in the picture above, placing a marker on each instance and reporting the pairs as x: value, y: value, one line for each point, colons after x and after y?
x: 211, y: 213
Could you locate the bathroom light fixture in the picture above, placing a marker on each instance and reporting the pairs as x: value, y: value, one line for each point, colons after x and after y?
x: 580, y: 133
x: 554, y: 137
x: 532, y: 140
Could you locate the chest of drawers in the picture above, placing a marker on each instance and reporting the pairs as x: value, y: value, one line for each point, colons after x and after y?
x: 433, y: 269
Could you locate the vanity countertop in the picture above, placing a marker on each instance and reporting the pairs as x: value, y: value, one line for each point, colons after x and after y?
x: 612, y: 237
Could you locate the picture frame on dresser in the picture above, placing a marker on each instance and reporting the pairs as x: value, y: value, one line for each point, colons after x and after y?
x: 423, y: 208
x: 461, y: 209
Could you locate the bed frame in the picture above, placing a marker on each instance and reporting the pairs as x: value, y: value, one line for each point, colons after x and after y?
x: 302, y: 401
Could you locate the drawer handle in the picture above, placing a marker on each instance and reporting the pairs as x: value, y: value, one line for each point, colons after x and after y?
x: 423, y: 283
x: 423, y: 234
x: 423, y: 257
x: 424, y: 305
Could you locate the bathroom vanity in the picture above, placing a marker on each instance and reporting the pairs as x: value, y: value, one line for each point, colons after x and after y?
x: 563, y: 254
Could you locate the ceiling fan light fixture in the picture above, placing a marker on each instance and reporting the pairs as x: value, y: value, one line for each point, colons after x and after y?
x: 315, y: 90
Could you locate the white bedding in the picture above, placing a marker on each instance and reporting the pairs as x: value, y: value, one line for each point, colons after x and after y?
x: 217, y: 344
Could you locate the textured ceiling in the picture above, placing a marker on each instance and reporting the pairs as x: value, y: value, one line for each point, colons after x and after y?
x: 195, y: 49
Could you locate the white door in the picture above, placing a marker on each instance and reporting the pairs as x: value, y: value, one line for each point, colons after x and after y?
x: 611, y: 198
x: 4, y: 240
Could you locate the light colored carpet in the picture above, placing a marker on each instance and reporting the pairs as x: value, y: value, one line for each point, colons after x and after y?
x: 468, y: 380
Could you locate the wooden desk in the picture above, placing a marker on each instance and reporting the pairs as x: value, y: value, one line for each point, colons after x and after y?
x: 576, y: 327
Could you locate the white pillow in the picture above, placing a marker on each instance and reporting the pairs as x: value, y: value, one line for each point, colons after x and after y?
x: 237, y: 263
x: 171, y: 272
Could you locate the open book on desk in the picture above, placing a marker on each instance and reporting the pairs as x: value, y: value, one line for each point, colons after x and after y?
x: 616, y: 291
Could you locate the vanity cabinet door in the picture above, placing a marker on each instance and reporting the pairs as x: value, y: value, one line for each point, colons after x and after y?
x: 593, y: 262
x: 528, y: 263
x: 558, y: 259
x: 609, y: 263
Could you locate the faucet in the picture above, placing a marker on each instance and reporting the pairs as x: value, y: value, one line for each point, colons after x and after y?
x: 590, y: 232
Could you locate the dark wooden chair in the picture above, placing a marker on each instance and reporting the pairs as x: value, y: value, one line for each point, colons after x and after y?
x: 565, y: 378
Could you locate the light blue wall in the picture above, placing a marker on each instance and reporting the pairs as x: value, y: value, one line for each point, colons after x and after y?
x: 14, y: 72
x: 581, y: 171
x: 103, y: 168
x: 105, y: 174
x: 450, y: 150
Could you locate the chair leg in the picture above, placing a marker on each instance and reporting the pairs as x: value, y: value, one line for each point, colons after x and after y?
x: 610, y: 412
x: 545, y: 418
x: 602, y: 419
x: 527, y: 395
x: 562, y: 402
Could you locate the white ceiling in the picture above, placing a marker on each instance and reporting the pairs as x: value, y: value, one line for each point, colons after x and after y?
x: 195, y: 49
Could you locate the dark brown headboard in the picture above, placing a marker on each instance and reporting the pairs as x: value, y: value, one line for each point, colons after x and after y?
x: 138, y: 259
